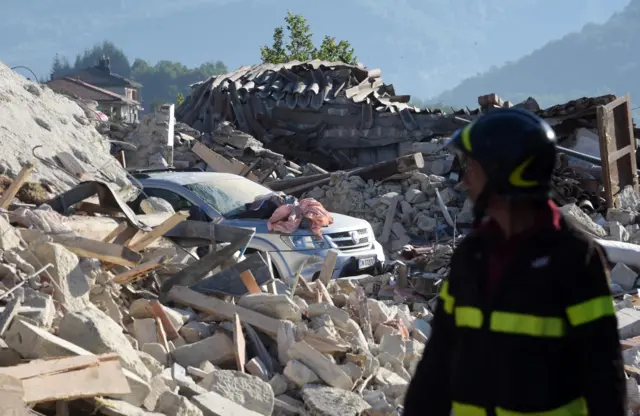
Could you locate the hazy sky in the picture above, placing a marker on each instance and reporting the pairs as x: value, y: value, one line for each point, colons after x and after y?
x: 422, y: 46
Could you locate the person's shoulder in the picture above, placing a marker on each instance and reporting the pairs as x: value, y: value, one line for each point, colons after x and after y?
x: 577, y: 245
x: 467, y: 247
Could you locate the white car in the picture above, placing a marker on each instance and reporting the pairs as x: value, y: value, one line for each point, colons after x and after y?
x: 224, y: 195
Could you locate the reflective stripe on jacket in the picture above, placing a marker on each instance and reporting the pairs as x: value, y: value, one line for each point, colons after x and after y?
x: 546, y: 342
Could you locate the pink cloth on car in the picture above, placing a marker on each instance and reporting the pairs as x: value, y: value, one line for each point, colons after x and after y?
x: 287, y: 218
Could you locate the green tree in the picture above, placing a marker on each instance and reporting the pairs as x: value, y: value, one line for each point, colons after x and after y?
x: 300, y: 45
x: 179, y: 98
x: 60, y: 67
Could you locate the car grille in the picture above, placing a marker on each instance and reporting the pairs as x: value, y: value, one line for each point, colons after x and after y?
x: 351, y: 240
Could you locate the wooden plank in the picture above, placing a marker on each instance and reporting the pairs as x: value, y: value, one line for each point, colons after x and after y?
x: 120, y: 228
x: 219, y: 163
x: 139, y: 270
x: 250, y: 282
x: 157, y: 310
x: 388, y: 222
x: 148, y: 238
x: 107, y: 252
x: 617, y: 147
x: 37, y: 368
x: 251, y: 167
x: 161, y: 334
x: 240, y: 343
x: 324, y: 293
x: 329, y: 265
x: 106, y: 379
x: 14, y: 188
x: 222, y: 309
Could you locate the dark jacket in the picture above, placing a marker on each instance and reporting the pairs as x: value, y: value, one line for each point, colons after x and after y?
x: 545, y: 340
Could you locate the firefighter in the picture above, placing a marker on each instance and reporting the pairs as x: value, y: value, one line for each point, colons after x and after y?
x: 525, y: 324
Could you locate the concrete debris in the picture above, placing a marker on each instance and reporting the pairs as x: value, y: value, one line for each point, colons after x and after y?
x: 141, y: 295
x: 36, y: 117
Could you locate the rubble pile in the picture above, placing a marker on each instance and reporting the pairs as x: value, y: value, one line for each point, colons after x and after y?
x: 72, y: 289
x: 159, y: 314
x: 399, y: 211
x: 38, y: 123
x: 335, y: 115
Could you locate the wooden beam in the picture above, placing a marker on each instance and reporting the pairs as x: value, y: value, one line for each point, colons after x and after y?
x: 239, y: 342
x: 120, y: 228
x: 107, y: 252
x: 220, y: 163
x: 324, y: 293
x: 15, y: 186
x: 70, y: 378
x: 222, y: 309
x: 138, y: 271
x: 148, y: 238
x: 157, y: 310
x: 388, y: 222
x: 329, y: 265
x: 250, y: 282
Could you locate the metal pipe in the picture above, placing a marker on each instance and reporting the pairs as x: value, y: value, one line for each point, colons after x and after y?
x: 583, y: 156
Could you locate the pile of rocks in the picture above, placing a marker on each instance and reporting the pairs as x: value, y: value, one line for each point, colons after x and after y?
x: 323, y: 350
x: 37, y: 122
x: 411, y: 208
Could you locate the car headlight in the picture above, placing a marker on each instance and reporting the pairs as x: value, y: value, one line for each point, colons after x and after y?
x: 305, y: 242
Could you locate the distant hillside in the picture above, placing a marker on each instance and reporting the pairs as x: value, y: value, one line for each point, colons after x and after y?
x: 597, y: 60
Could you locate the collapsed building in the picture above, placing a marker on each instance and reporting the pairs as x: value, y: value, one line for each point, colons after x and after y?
x: 147, y: 326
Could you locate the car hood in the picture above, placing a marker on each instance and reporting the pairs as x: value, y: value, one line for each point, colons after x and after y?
x: 341, y: 223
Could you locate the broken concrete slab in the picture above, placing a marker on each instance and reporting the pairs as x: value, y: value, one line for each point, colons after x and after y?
x: 624, y: 276
x: 214, y: 404
x: 158, y: 388
x: 92, y: 329
x: 628, y: 323
x: 170, y: 403
x: 154, y: 366
x: 9, y: 238
x: 218, y: 349
x: 299, y: 374
x: 328, y: 371
x: 279, y: 384
x: 390, y: 383
x: 145, y: 331
x: 329, y: 401
x: 108, y: 407
x: 72, y: 284
x: 157, y: 351
x: 257, y: 368
x: 275, y: 306
x: 244, y: 389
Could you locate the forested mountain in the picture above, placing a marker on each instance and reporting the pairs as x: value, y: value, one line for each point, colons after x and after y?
x: 597, y: 60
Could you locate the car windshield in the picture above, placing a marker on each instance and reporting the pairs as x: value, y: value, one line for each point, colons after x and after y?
x: 228, y: 195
